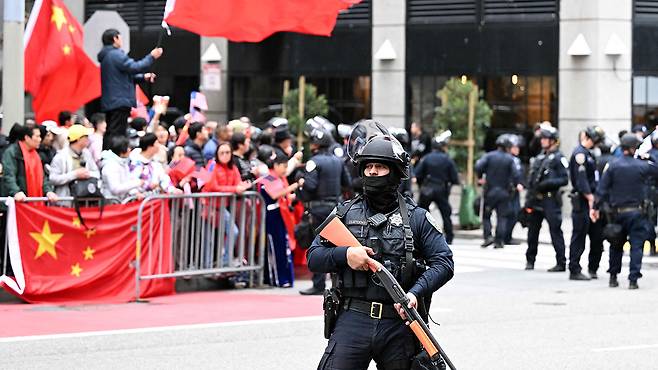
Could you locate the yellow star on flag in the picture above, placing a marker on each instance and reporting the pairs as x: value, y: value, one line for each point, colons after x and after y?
x: 76, y: 222
x: 89, y: 253
x: 58, y: 17
x: 46, y: 240
x: 66, y: 49
x: 71, y: 28
x: 76, y: 270
x: 89, y: 233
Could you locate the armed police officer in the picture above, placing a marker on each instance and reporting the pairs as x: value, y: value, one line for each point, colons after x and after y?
x: 398, y: 234
x: 624, y: 187
x: 436, y: 174
x: 325, y: 177
x: 499, y: 175
x: 548, y: 173
x: 584, y: 180
x: 513, y: 146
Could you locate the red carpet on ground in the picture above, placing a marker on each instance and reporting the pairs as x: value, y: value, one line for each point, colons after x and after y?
x: 180, y: 309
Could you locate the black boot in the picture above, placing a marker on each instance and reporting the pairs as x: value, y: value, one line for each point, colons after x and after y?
x: 592, y: 275
x: 633, y: 285
x: 312, y: 291
x: 613, y: 281
x: 557, y: 268
x: 577, y: 276
x: 487, y: 242
x: 529, y: 265
x: 498, y: 245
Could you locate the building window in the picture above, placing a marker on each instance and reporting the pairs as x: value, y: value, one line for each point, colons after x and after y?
x: 518, y: 102
x: 645, y: 100
x: 259, y: 97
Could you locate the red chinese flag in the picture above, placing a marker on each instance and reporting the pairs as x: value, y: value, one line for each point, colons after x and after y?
x: 58, y: 73
x: 255, y: 20
x: 56, y: 259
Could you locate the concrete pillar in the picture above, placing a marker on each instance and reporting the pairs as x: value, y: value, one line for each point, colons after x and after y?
x: 77, y: 9
x: 217, y: 100
x: 388, y: 74
x: 595, y: 88
x: 13, y: 86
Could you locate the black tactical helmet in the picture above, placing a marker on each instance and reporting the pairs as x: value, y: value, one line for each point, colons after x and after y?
x: 316, y: 130
x: 503, y: 141
x: 401, y: 135
x: 549, y: 132
x: 629, y: 141
x: 385, y: 149
x: 595, y: 133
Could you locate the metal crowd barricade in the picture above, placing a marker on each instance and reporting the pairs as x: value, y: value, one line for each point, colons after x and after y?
x: 61, y: 202
x: 211, y: 234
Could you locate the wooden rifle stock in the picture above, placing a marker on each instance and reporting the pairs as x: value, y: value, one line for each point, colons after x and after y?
x: 337, y: 233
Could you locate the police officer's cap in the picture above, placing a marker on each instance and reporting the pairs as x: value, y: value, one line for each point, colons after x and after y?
x: 595, y: 133
x: 639, y: 128
x: 629, y: 141
x: 384, y: 149
x: 549, y: 132
x: 503, y: 141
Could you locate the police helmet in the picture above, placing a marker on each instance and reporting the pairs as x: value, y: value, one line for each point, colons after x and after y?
x: 549, y: 132
x: 344, y: 130
x: 441, y: 140
x: 502, y: 141
x: 515, y: 141
x: 277, y: 122
x: 654, y: 137
x: 266, y: 154
x: 400, y: 134
x: 606, y: 146
x: 639, y: 128
x: 629, y: 141
x: 595, y: 133
x: 316, y: 130
x: 371, y: 141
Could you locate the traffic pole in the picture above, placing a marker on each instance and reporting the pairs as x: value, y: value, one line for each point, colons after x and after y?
x: 13, y: 97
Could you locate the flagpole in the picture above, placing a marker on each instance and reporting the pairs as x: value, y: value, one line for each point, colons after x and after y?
x: 13, y: 97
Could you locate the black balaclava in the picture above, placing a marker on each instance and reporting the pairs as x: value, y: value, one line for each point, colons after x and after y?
x: 381, y: 192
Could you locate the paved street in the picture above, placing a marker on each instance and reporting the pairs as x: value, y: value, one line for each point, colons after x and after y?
x: 493, y: 315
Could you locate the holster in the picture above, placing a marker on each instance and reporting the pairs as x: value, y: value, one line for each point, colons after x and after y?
x: 576, y: 202
x: 331, y: 306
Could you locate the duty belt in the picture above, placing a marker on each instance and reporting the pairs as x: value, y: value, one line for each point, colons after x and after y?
x: 375, y: 310
x: 628, y: 209
x: 550, y: 194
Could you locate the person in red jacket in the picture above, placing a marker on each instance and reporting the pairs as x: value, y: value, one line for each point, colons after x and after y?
x: 224, y: 177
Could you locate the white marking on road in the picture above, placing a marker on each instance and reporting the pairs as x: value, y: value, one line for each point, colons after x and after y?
x: 158, y: 329
x: 625, y: 348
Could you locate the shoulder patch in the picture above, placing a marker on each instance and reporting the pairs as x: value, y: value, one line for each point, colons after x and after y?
x: 565, y: 163
x: 310, y: 166
x: 580, y: 158
x: 432, y: 221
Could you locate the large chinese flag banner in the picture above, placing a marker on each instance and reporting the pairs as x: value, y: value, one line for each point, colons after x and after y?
x: 58, y: 73
x: 255, y: 20
x: 56, y: 259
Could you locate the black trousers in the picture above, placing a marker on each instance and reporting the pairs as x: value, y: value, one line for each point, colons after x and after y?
x: 549, y: 209
x: 358, y: 339
x: 319, y: 213
x: 583, y: 226
x: 440, y: 196
x: 117, y: 125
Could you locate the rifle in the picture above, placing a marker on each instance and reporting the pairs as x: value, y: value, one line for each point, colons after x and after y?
x: 337, y: 233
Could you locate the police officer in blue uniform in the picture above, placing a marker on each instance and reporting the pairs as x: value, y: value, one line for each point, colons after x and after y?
x: 436, y: 173
x: 325, y: 177
x: 548, y: 173
x: 499, y: 175
x: 513, y: 146
x: 653, y: 196
x: 623, y: 187
x: 398, y: 234
x: 584, y: 179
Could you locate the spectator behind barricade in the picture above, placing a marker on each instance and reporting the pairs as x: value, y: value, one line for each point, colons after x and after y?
x: 278, y: 198
x: 240, y: 145
x: 47, y: 151
x: 194, y: 145
x: 224, y: 174
x: 162, y: 135
x: 180, y: 170
x: 96, y: 139
x: 74, y: 162
x: 283, y: 148
x: 119, y: 73
x: 115, y: 171
x: 143, y: 167
x: 222, y: 133
x: 20, y: 159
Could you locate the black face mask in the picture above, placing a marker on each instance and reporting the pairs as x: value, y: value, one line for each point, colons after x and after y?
x: 381, y: 192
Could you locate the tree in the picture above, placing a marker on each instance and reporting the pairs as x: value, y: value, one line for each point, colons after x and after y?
x: 314, y: 105
x: 453, y: 115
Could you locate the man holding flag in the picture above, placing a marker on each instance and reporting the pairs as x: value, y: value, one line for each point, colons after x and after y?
x: 119, y: 73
